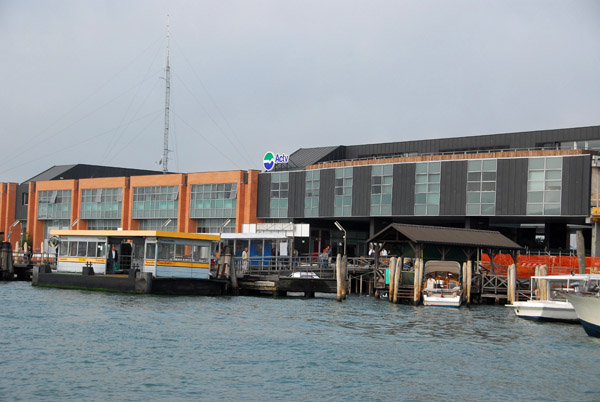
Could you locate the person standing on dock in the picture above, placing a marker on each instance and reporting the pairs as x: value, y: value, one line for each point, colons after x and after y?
x: 113, y: 258
x: 245, y: 259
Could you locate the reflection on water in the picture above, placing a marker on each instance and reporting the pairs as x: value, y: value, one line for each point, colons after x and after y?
x: 73, y: 345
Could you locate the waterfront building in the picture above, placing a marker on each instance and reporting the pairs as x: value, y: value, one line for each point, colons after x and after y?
x: 527, y: 185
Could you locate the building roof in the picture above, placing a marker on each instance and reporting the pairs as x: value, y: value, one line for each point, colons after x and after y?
x: 83, y: 171
x: 310, y: 156
x: 444, y: 236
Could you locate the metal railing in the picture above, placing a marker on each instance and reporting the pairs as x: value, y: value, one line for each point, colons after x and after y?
x: 20, y: 257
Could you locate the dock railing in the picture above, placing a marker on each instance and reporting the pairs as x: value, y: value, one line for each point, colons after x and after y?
x: 20, y: 257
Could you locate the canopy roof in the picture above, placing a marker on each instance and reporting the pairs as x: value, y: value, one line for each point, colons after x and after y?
x: 419, y: 234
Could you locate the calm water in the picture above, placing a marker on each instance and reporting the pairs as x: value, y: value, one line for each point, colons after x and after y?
x: 79, y: 345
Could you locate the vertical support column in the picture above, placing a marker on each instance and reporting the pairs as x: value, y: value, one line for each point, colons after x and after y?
x: 418, y: 279
x: 469, y: 280
x: 338, y: 276
x: 397, y: 278
x: 596, y: 239
x: 581, y: 251
x: 344, y: 271
x: 392, y: 275
x: 512, y: 284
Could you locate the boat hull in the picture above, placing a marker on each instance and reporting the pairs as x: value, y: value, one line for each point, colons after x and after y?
x: 545, y: 310
x: 439, y: 301
x: 588, y: 311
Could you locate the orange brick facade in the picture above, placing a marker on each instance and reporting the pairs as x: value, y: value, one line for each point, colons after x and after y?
x: 247, y: 182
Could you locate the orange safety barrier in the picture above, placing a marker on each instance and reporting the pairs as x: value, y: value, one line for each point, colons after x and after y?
x: 526, y: 263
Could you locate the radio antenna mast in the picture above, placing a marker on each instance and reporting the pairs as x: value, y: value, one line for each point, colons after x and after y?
x: 165, y: 158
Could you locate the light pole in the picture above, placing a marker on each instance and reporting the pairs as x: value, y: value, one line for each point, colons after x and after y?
x: 227, y: 222
x: 343, y: 230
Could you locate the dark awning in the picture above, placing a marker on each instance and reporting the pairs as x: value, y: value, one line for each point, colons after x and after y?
x: 418, y: 234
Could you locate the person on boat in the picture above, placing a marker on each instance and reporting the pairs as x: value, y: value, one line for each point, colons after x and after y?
x: 113, y: 259
x: 245, y: 259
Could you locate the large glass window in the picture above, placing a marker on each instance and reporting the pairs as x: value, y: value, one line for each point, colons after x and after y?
x: 103, y: 224
x: 427, y: 188
x: 54, y: 204
x: 167, y: 225
x: 544, y: 186
x: 213, y: 200
x: 101, y: 203
x: 381, y: 189
x: 311, y: 196
x: 215, y: 225
x: 279, y: 195
x: 155, y: 202
x: 343, y: 191
x: 481, y: 187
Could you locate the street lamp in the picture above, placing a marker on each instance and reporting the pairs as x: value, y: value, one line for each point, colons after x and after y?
x: 337, y: 224
x: 227, y: 222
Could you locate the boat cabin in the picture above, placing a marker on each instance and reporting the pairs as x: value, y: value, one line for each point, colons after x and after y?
x: 164, y: 254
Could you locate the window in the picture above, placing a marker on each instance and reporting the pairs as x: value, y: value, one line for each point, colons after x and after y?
x: 213, y: 200
x: 155, y: 202
x: 381, y: 190
x: 103, y: 224
x: 54, y: 204
x: 83, y: 249
x: 279, y: 195
x: 311, y: 195
x: 101, y: 203
x: 167, y: 225
x: 343, y: 192
x: 427, y: 188
x: 544, y: 186
x: 215, y: 225
x: 481, y: 187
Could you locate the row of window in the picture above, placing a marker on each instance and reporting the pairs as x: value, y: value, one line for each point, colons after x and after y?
x: 178, y: 252
x: 544, y: 188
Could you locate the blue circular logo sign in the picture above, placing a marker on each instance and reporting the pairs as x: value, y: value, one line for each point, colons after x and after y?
x: 269, y: 161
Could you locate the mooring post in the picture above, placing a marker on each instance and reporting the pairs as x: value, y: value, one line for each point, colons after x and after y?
x: 391, y: 276
x: 469, y: 280
x: 232, y: 273
x: 544, y: 283
x: 417, y: 282
x: 338, y: 276
x: 344, y: 270
x: 397, y: 278
x: 512, y: 284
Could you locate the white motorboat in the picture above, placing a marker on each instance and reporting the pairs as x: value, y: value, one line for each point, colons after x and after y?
x: 587, y: 306
x: 442, y: 284
x: 548, y: 301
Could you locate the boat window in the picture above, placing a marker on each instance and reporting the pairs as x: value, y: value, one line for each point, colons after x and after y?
x: 201, y: 253
x: 64, y: 248
x: 150, y: 251
x: 180, y: 252
x: 91, y: 249
x: 73, y: 248
x: 165, y: 251
x: 101, y: 249
x: 81, y: 248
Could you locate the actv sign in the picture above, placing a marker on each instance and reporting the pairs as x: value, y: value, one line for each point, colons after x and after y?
x: 271, y: 159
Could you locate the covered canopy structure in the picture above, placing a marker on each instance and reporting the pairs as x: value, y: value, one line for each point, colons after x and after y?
x: 442, y: 243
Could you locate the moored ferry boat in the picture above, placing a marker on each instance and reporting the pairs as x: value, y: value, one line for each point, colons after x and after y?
x: 136, y: 261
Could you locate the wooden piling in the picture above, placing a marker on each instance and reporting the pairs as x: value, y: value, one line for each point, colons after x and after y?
x: 469, y: 280
x: 338, y: 277
x: 464, y: 280
x: 580, y: 251
x: 512, y: 284
x: 397, y: 278
x: 232, y: 273
x: 344, y: 271
x: 417, y: 282
x: 543, y: 283
x: 391, y: 275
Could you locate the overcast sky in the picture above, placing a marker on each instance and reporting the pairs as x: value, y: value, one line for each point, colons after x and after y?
x: 83, y: 81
